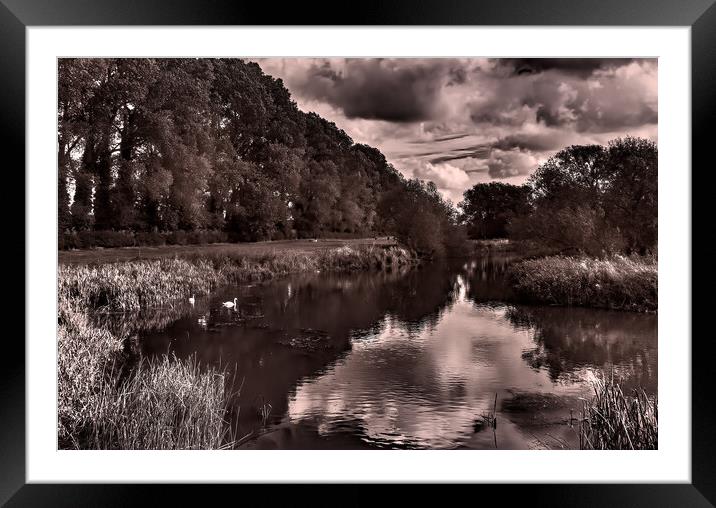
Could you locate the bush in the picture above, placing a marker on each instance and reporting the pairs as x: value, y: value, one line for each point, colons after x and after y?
x: 69, y: 240
x: 87, y: 239
x: 569, y: 231
x: 150, y: 238
x: 176, y: 238
x: 210, y: 236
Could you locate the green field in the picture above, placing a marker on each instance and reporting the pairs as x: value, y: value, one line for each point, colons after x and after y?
x: 101, y: 256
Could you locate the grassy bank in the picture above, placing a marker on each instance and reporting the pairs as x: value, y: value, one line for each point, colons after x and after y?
x: 250, y: 249
x: 165, y: 403
x: 618, y: 282
x: 613, y: 420
x: 136, y: 285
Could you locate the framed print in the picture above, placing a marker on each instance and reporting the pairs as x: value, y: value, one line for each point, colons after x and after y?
x: 442, y: 245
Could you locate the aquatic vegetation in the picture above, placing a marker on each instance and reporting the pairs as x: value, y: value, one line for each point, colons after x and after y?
x: 618, y: 282
x: 104, y: 402
x: 165, y: 403
x: 613, y: 420
x: 138, y: 285
x: 85, y: 353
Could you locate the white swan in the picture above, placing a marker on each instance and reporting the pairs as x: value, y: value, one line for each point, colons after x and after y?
x: 192, y: 300
x: 228, y: 305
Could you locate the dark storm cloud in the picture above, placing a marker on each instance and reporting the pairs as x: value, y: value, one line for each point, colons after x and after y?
x: 581, y: 67
x: 457, y: 122
x: 618, y: 97
x: 446, y: 138
x: 379, y: 89
x: 471, y: 152
x: 527, y: 142
x: 607, y: 120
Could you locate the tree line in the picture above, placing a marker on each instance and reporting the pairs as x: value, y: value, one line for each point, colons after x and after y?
x: 186, y: 145
x: 587, y: 198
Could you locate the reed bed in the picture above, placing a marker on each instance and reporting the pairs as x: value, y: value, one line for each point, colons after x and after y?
x: 620, y: 283
x: 613, y: 420
x: 163, y: 404
x: 84, y: 354
x: 138, y: 285
x: 167, y: 403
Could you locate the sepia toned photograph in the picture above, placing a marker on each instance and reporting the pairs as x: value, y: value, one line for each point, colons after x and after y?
x: 357, y: 253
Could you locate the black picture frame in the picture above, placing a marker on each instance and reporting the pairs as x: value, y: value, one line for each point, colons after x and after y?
x: 700, y: 15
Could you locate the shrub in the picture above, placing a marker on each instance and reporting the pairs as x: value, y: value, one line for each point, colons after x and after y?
x: 176, y: 238
x: 568, y: 230
x: 150, y: 238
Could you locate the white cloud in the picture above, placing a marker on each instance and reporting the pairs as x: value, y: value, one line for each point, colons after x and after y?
x: 486, y: 122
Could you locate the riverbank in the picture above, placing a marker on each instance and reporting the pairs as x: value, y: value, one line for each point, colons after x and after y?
x: 233, y: 250
x: 618, y: 283
x: 105, y: 404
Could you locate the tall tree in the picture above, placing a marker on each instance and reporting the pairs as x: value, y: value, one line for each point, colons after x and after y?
x: 488, y: 208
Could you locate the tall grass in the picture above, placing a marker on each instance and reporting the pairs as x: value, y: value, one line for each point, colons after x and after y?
x: 613, y: 420
x: 84, y: 355
x: 163, y: 404
x: 622, y: 283
x: 166, y: 403
x: 137, y: 285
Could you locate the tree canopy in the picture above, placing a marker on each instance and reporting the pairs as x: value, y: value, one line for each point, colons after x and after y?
x: 589, y: 198
x: 192, y: 144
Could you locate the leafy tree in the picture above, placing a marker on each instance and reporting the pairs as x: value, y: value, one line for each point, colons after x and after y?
x: 182, y: 144
x: 630, y: 200
x: 595, y: 199
x: 487, y: 208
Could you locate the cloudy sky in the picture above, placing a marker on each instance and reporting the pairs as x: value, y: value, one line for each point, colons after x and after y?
x: 462, y: 121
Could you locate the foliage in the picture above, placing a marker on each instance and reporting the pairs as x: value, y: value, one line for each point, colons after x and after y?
x: 618, y: 282
x: 590, y: 199
x: 183, y: 145
x: 487, y: 208
x: 421, y: 219
x: 86, y: 239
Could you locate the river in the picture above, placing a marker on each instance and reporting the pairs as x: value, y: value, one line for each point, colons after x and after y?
x: 423, y: 358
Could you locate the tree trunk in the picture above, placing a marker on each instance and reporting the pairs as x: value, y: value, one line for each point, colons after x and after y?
x: 63, y: 197
x: 125, y: 195
x: 82, y: 205
x: 103, y: 201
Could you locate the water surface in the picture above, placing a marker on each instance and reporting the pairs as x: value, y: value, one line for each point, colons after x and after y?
x: 413, y: 359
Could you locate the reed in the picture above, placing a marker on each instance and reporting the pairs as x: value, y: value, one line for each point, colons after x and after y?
x: 620, y: 283
x: 84, y: 353
x: 613, y: 420
x: 167, y: 403
x: 163, y: 404
x: 139, y: 285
